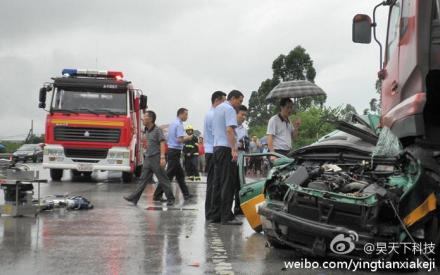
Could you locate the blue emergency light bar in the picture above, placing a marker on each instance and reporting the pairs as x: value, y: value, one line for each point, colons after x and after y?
x: 93, y: 73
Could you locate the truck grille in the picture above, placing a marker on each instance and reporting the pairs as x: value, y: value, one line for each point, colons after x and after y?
x: 63, y: 133
x: 86, y: 153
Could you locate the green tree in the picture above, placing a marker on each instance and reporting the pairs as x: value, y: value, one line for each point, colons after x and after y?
x: 347, y: 112
x: 296, y: 65
x: 315, y: 123
x: 375, y: 104
x: 260, y: 110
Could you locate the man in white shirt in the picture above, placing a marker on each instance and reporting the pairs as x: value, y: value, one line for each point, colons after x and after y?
x: 280, y: 131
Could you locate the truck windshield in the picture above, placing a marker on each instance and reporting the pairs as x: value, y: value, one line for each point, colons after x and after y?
x: 90, y: 101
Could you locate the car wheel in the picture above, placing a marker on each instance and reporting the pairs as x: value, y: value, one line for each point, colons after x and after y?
x: 34, y: 159
x: 273, y: 242
x: 258, y: 229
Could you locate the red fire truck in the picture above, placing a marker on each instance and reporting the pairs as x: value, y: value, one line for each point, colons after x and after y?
x: 93, y: 124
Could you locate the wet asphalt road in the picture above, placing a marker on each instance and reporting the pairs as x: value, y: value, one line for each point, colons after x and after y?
x: 119, y: 238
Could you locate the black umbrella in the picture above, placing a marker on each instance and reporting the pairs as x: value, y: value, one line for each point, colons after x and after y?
x: 295, y: 89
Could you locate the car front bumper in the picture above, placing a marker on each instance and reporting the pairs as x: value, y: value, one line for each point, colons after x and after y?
x: 310, y: 236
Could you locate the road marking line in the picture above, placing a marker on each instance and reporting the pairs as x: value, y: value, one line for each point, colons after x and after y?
x: 219, y: 255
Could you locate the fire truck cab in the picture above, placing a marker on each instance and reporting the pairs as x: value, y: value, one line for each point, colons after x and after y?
x: 93, y: 124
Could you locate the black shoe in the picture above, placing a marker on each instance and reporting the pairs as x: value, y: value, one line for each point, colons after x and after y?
x: 188, y: 196
x: 127, y: 198
x: 171, y: 202
x: 214, y: 221
x: 159, y: 199
x: 234, y: 221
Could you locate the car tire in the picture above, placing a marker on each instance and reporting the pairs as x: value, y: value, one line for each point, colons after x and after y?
x: 273, y: 242
x: 258, y: 229
x: 56, y: 174
x: 127, y: 177
x: 34, y: 159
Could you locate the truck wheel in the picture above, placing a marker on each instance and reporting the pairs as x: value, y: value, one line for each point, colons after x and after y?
x: 138, y: 171
x: 127, y: 177
x: 56, y: 174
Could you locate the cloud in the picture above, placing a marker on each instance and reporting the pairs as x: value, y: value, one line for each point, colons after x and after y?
x: 178, y: 52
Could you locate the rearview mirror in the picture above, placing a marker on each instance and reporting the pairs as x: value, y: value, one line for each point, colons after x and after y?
x: 43, y: 92
x: 143, y: 102
x: 361, y: 29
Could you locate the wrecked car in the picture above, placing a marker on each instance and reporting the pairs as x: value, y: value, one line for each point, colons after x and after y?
x: 356, y: 179
x: 367, y: 183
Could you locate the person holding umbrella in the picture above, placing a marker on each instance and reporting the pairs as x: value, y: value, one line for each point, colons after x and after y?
x: 280, y: 130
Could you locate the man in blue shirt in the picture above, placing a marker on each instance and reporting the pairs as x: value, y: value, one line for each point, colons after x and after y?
x: 225, y: 151
x: 217, y: 98
x: 176, y: 139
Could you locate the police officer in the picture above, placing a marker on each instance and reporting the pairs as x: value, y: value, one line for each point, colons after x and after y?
x: 217, y: 98
x: 225, y: 151
x: 176, y: 139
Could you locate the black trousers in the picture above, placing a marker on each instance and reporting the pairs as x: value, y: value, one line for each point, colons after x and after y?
x: 174, y: 169
x: 209, y: 180
x: 152, y: 166
x: 223, y: 189
x: 191, y: 166
x: 236, y: 184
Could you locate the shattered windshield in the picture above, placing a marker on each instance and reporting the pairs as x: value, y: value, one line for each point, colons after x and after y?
x: 90, y: 101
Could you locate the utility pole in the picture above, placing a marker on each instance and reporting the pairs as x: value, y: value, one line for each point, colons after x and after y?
x: 31, y: 133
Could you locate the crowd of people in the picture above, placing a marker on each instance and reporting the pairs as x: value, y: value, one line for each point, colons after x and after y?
x: 225, y: 138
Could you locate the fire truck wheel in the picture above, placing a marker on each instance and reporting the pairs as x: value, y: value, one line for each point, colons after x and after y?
x: 127, y: 177
x: 56, y: 174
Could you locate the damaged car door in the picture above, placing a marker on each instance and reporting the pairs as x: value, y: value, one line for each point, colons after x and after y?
x: 252, y: 185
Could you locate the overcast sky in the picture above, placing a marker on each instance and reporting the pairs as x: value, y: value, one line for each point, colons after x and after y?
x: 178, y: 52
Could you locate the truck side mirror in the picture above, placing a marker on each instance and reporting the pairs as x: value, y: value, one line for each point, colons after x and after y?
x: 362, y: 29
x: 143, y: 102
x: 43, y: 92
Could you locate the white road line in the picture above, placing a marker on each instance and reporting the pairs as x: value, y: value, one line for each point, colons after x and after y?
x: 219, y: 254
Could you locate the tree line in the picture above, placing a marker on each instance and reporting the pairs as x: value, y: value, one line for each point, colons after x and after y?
x: 315, y: 116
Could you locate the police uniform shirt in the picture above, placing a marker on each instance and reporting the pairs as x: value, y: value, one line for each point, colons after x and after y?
x: 224, y: 116
x: 175, y: 131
